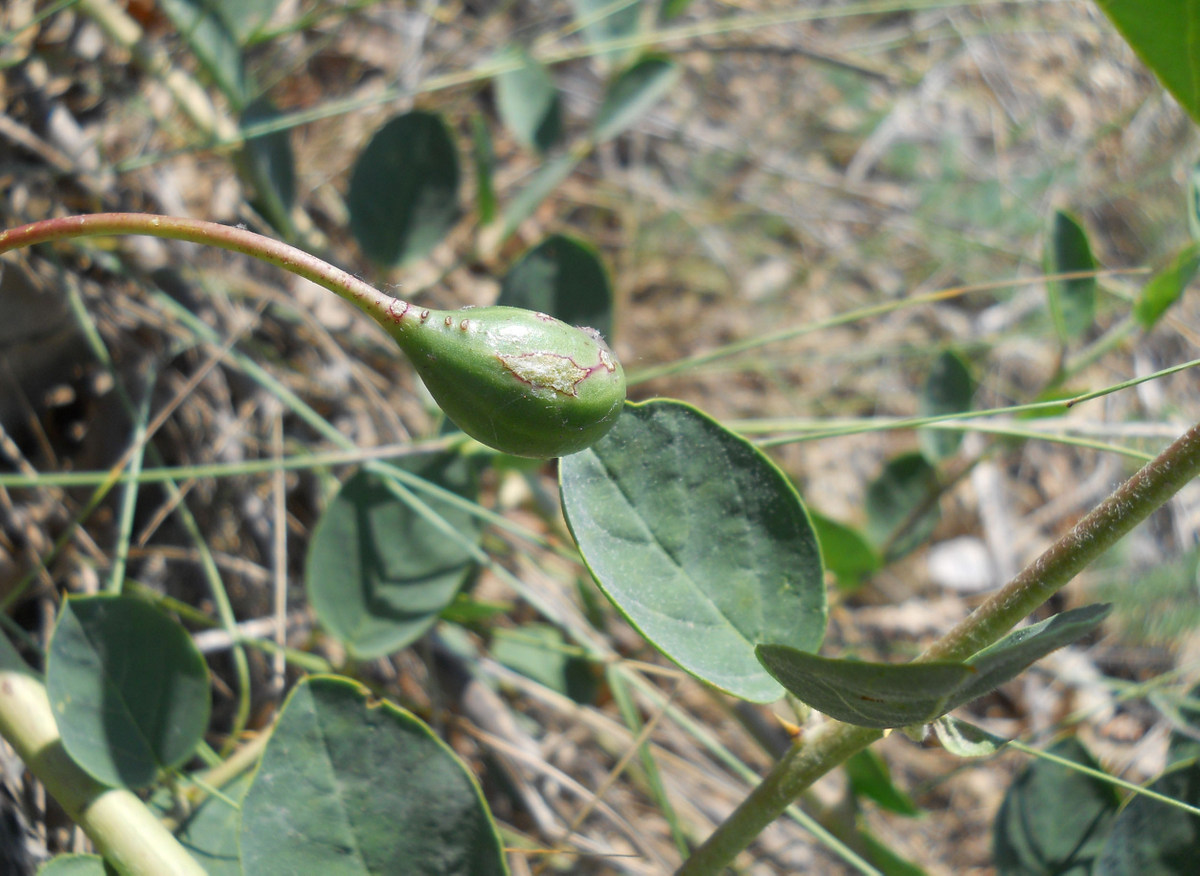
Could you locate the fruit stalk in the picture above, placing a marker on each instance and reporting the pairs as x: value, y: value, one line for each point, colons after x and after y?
x: 520, y: 382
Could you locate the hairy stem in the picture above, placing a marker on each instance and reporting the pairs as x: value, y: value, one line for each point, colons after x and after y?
x: 362, y: 295
x: 833, y: 742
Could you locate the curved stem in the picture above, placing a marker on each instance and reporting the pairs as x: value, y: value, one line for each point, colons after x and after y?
x: 366, y: 297
x: 831, y: 743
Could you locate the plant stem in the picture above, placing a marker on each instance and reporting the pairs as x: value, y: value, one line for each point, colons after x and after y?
x: 118, y: 822
x: 362, y: 295
x: 831, y: 743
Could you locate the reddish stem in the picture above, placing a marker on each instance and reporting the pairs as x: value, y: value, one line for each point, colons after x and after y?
x: 370, y: 300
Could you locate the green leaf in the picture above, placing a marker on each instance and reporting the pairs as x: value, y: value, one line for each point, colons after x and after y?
x: 902, y: 505
x: 212, y: 43
x: 601, y: 25
x: 671, y: 8
x: 1167, y: 286
x: 699, y: 540
x: 350, y: 787
x: 1072, y: 302
x: 485, y: 165
x: 632, y: 93
x: 1053, y: 819
x: 76, y: 865
x: 529, y: 106
x: 846, y: 552
x: 539, y: 651
x: 1150, y: 838
x: 403, y: 196
x: 948, y: 390
x: 963, y: 739
x: 125, y: 715
x: 1021, y: 648
x: 896, y: 695
x: 870, y: 778
x: 880, y: 695
x: 244, y: 18
x: 379, y: 570
x: 564, y: 277
x: 1184, y: 744
x: 267, y: 163
x: 884, y: 857
x: 1164, y: 36
x: 210, y: 831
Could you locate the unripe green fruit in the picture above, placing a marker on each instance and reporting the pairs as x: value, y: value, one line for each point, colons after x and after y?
x: 521, y: 382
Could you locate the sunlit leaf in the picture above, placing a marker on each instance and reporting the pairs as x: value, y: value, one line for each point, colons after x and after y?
x: 1163, y: 35
x: 632, y: 94
x: 948, y: 390
x: 564, y: 277
x: 902, y: 505
x: 403, y: 194
x: 351, y: 787
x: 869, y: 694
x: 699, y: 540
x: 379, y: 570
x: 1072, y: 301
x: 1166, y: 286
x: 846, y: 551
x: 124, y: 715
x: 528, y: 103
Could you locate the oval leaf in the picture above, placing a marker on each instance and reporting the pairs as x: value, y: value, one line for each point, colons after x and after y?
x: 267, y: 164
x: 948, y: 390
x: 403, y: 194
x: 1166, y: 287
x: 902, y: 506
x: 564, y: 277
x: 128, y: 687
x: 1163, y: 35
x: 846, y: 552
x: 1053, y: 819
x: 604, y: 20
x: 699, y: 540
x: 379, y: 569
x: 1149, y: 837
x: 633, y: 93
x: 1072, y: 302
x: 350, y: 788
x: 245, y: 18
x: 877, y: 695
x: 528, y: 104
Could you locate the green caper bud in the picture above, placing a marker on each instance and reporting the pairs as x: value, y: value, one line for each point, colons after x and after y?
x: 520, y: 382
